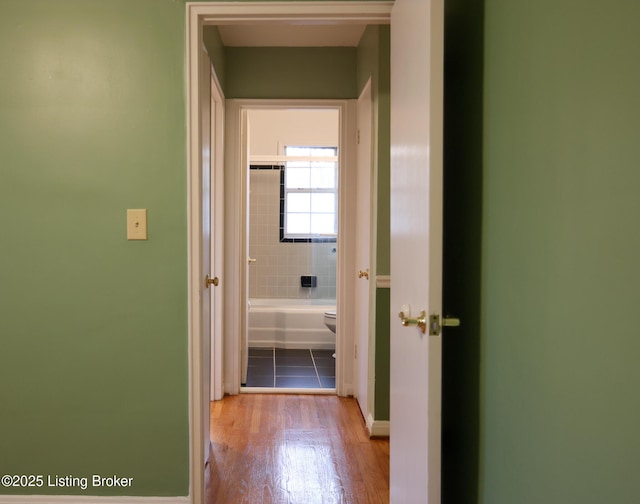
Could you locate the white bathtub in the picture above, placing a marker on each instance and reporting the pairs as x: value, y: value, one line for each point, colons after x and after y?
x: 290, y: 323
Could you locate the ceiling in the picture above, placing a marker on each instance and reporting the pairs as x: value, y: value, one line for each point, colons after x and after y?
x: 291, y: 35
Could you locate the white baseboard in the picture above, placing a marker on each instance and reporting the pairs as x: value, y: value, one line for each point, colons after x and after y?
x: 89, y: 499
x: 377, y: 428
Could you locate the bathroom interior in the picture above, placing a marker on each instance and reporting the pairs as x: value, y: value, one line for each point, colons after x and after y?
x: 292, y: 243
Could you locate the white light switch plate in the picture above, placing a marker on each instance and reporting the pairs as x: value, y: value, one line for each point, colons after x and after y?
x: 137, y: 224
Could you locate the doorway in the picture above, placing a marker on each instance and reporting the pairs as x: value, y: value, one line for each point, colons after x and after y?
x: 292, y: 217
x: 320, y: 279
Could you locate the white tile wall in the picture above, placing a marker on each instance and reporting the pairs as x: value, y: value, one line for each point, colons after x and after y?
x: 279, y: 266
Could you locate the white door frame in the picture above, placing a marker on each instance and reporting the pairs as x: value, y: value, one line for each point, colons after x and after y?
x: 215, y: 13
x: 237, y: 246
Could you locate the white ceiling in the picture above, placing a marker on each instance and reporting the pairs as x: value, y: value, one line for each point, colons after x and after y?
x: 288, y: 35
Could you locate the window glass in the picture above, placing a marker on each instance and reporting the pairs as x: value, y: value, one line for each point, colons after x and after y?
x: 298, y: 202
x: 309, y: 185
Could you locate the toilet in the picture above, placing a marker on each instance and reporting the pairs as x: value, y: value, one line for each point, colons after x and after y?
x: 330, y: 320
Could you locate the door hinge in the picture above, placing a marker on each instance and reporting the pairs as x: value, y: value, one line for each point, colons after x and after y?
x: 358, y: 137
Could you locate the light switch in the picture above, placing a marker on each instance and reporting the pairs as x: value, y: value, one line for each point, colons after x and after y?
x: 137, y: 224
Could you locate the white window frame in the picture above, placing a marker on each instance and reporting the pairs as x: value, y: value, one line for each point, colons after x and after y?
x: 286, y: 236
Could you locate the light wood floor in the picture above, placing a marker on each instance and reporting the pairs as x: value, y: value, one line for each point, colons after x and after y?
x: 294, y: 449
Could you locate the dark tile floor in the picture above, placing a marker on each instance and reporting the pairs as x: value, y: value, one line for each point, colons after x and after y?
x: 291, y: 368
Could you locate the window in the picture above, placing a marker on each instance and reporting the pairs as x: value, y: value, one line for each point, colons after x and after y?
x: 309, y: 194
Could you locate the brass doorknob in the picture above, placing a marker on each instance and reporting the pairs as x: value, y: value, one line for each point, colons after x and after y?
x: 364, y: 274
x: 407, y: 321
x: 211, y: 281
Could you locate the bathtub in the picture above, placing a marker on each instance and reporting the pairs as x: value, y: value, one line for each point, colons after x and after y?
x: 290, y: 323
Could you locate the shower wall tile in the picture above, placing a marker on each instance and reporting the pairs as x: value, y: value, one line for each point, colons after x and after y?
x: 279, y: 266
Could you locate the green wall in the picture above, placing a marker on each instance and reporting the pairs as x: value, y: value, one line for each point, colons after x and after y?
x: 559, y: 370
x: 93, y: 328
x: 215, y: 48
x: 290, y: 72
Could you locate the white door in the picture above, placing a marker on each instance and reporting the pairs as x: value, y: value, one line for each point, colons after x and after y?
x: 205, y: 131
x: 217, y: 237
x: 248, y: 261
x: 363, y: 247
x: 416, y: 247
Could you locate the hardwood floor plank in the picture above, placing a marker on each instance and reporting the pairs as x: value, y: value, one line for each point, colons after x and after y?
x: 289, y: 449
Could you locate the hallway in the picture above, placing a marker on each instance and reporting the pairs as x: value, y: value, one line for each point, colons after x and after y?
x: 294, y: 449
